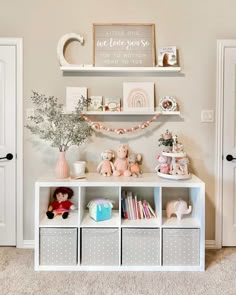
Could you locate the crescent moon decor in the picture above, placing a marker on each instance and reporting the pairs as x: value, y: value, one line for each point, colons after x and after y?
x: 62, y: 43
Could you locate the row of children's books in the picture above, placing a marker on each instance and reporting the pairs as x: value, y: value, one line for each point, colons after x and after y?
x: 132, y: 208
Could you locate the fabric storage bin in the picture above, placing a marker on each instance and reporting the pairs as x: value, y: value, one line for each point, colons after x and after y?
x: 58, y: 246
x: 100, y: 246
x: 141, y: 246
x: 181, y: 246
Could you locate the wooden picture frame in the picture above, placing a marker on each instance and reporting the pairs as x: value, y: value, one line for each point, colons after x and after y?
x: 124, y: 45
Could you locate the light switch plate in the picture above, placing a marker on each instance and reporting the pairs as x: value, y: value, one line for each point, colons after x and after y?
x: 207, y: 116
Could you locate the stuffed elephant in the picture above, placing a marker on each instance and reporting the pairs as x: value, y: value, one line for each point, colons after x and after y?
x: 177, y: 207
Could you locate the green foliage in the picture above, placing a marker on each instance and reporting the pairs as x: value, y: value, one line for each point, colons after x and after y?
x: 60, y: 129
x: 166, y: 139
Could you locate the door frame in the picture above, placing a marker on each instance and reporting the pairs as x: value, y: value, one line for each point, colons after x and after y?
x: 221, y: 45
x: 18, y: 43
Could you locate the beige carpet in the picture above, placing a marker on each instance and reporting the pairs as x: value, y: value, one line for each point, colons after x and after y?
x: 17, y: 276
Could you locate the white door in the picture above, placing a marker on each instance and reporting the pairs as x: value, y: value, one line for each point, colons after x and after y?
x: 229, y: 148
x: 8, y: 145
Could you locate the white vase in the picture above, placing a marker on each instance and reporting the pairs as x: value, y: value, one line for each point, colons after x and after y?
x: 62, y: 167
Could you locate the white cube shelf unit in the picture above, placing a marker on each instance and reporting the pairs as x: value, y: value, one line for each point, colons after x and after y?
x: 154, y: 244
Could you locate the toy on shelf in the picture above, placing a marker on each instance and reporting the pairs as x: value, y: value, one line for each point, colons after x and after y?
x: 121, y: 164
x: 106, y: 166
x: 100, y: 209
x: 61, y: 205
x: 173, y: 163
x: 134, y: 162
x: 177, y: 207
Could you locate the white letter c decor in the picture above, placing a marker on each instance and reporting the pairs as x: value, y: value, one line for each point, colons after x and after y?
x: 61, y: 44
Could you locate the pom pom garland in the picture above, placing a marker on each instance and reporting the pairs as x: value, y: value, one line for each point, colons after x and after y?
x: 97, y: 126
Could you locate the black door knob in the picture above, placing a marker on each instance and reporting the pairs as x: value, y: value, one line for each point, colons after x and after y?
x: 8, y: 157
x: 230, y: 158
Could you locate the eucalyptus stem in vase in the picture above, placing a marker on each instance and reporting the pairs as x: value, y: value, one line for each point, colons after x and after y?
x: 60, y: 129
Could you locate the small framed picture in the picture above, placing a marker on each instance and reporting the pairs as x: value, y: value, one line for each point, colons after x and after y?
x: 167, y: 56
x: 138, y: 96
x: 73, y: 95
x: 168, y: 103
x: 95, y: 103
x: 112, y: 104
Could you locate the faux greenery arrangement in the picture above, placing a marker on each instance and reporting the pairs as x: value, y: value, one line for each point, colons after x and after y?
x: 166, y: 139
x: 50, y: 123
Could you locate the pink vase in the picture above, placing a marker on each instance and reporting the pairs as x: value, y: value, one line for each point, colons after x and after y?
x: 62, y: 167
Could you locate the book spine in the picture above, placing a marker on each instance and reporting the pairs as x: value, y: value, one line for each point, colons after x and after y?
x: 136, y: 206
x: 151, y: 210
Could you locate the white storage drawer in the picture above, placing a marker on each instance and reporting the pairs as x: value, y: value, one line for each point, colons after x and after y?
x: 181, y: 246
x: 140, y: 246
x: 58, y: 246
x: 100, y: 246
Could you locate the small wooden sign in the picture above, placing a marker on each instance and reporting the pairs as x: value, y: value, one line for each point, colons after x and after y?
x: 124, y: 45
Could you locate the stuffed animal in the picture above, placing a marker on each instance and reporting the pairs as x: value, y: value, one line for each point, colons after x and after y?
x: 134, y: 161
x: 163, y: 165
x: 61, y: 205
x: 179, y: 166
x: 177, y: 207
x: 121, y: 163
x: 183, y: 165
x: 106, y: 167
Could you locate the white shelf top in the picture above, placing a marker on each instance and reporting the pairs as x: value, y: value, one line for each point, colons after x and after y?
x: 92, y: 69
x: 151, y: 222
x: 58, y: 221
x: 87, y: 221
x: 146, y: 179
x: 185, y: 222
x: 122, y: 113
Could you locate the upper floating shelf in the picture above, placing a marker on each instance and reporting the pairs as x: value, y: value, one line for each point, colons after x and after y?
x: 88, y: 69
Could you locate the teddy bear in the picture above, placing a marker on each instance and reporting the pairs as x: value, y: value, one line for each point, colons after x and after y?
x: 121, y: 163
x: 163, y: 165
x: 106, y: 166
x: 134, y: 161
x: 61, y: 205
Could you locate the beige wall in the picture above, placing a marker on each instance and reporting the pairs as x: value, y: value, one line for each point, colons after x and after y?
x: 193, y: 26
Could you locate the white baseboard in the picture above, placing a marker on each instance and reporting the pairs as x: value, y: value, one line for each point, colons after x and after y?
x: 28, y: 244
x: 209, y: 244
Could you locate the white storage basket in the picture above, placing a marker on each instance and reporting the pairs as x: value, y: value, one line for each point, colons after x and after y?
x: 181, y: 246
x: 100, y: 246
x: 58, y: 246
x: 141, y: 246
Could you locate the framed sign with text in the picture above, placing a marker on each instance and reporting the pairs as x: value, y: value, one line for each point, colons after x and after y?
x: 124, y: 45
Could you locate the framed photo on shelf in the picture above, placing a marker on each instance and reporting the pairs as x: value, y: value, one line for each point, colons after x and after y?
x: 138, y: 97
x: 73, y: 95
x: 167, y: 104
x: 124, y: 45
x: 112, y: 104
x: 95, y: 103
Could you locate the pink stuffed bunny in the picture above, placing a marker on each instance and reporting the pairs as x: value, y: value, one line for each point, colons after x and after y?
x: 121, y: 163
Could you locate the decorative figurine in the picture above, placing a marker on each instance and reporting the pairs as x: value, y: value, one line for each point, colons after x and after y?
x: 177, y: 207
